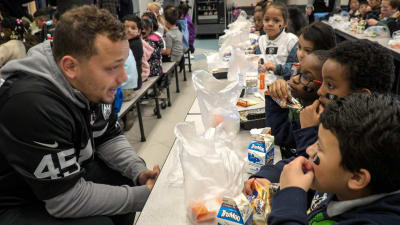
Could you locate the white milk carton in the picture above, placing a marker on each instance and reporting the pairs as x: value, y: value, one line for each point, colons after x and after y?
x: 260, y: 153
x: 235, y: 211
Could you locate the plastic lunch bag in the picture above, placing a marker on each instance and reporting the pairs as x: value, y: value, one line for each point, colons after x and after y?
x: 211, y: 170
x: 221, y: 110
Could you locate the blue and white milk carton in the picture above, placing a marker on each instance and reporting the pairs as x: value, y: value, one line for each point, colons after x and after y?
x: 235, y: 211
x: 260, y: 153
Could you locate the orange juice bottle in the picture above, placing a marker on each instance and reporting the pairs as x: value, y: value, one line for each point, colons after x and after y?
x: 262, y: 80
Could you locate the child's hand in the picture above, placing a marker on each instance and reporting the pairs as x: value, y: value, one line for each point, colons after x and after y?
x: 279, y: 90
x: 309, y: 116
x: 298, y: 173
x: 249, y: 185
x: 270, y: 66
x: 372, y: 22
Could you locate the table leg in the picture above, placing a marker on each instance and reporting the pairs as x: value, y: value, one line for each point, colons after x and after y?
x: 139, y: 113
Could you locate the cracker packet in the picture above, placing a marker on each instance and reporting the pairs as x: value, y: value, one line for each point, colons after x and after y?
x: 261, y: 200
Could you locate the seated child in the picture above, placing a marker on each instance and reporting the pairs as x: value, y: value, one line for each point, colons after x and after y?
x: 149, y: 24
x: 302, y: 86
x: 183, y: 26
x: 374, y: 10
x: 353, y: 166
x: 316, y: 36
x: 354, y: 6
x: 276, y: 45
x: 352, y: 66
x: 388, y: 8
x: 134, y: 25
x: 173, y: 37
x: 363, y: 9
x: 258, y: 22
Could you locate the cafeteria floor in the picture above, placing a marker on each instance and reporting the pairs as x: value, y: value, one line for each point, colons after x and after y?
x: 160, y: 132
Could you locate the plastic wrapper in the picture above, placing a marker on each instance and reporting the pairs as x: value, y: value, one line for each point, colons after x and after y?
x: 290, y: 102
x: 377, y: 31
x: 212, y: 170
x: 221, y: 110
x: 261, y: 200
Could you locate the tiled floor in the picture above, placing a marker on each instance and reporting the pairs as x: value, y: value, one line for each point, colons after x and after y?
x: 160, y: 132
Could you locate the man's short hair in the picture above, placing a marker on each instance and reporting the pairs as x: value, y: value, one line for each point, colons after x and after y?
x: 171, y: 15
x: 368, y: 132
x: 76, y: 32
x: 369, y: 65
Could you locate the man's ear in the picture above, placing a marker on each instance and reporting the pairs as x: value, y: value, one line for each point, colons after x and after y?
x: 69, y: 66
x: 359, y: 180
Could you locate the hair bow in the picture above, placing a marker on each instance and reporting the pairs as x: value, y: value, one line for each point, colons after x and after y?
x: 19, y: 21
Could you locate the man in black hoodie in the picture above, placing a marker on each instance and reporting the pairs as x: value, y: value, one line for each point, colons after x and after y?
x: 62, y: 152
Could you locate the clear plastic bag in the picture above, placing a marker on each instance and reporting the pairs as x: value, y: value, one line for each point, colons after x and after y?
x: 395, y: 42
x: 241, y: 64
x: 377, y: 31
x: 221, y: 110
x: 211, y: 169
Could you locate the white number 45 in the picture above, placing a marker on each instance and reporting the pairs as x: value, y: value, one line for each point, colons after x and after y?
x: 52, y: 171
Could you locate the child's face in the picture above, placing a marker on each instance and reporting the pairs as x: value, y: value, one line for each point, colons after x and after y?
x: 273, y: 22
x: 386, y: 9
x: 374, y: 3
x: 354, y: 5
x: 334, y: 81
x: 363, y: 9
x: 310, y: 70
x: 305, y: 47
x: 329, y: 175
x: 133, y: 30
x: 258, y: 20
x: 146, y: 33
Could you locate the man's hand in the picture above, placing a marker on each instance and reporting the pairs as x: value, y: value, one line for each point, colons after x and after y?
x: 270, y: 66
x: 298, y: 173
x: 372, y: 22
x: 279, y: 90
x: 149, y: 177
x: 309, y: 116
x: 309, y: 11
x: 249, y: 185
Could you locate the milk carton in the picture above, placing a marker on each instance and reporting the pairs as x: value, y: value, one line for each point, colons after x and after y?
x: 235, y: 211
x: 260, y: 153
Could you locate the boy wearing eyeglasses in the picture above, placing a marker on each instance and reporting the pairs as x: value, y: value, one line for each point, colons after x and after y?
x: 302, y: 86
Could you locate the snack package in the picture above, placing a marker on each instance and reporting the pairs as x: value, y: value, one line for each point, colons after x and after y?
x: 235, y: 211
x: 290, y: 102
x: 261, y: 200
x: 260, y: 153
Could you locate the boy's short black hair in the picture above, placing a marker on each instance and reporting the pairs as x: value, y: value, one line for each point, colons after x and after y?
x: 369, y: 65
x: 153, y: 21
x: 171, y: 15
x: 320, y: 34
x: 368, y: 132
x: 363, y: 2
x: 133, y: 18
